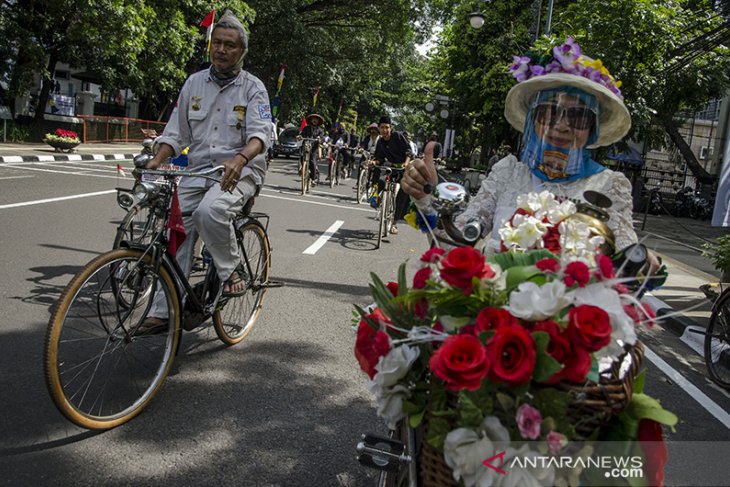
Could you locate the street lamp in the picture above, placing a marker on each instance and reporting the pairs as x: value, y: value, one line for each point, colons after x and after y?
x: 476, y: 19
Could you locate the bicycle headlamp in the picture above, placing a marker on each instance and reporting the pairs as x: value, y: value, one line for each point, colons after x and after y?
x: 144, y: 192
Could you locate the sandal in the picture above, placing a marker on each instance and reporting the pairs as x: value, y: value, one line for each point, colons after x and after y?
x: 394, y: 230
x: 237, y: 278
x: 151, y: 326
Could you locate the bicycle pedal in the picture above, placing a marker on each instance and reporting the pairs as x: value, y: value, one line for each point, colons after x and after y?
x: 381, y: 453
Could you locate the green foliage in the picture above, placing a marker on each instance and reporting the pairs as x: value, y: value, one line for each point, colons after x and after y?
x: 719, y: 252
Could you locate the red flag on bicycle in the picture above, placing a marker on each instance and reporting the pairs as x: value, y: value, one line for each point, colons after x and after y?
x: 303, y: 124
x: 175, y: 227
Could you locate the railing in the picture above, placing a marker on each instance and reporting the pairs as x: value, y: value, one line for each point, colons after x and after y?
x: 116, y: 129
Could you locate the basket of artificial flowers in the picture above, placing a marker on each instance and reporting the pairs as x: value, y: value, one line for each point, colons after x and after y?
x: 62, y: 139
x: 524, y: 352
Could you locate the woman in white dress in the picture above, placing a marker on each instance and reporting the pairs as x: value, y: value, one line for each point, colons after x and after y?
x: 564, y: 108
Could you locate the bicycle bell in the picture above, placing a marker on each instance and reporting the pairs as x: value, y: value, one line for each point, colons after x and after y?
x: 593, y: 213
x: 448, y: 197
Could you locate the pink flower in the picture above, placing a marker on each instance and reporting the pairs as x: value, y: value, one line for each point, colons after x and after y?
x: 528, y: 420
x: 556, y: 441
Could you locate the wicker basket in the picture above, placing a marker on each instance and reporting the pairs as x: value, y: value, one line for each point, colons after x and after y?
x: 592, y: 407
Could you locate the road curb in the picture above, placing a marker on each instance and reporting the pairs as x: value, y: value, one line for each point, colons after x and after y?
x: 66, y: 158
x: 669, y: 318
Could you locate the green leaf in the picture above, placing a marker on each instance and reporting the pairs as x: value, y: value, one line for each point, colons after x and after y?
x: 519, y: 274
x: 402, y: 283
x: 470, y: 413
x: 438, y: 428
x: 593, y: 373
x: 639, y: 381
x: 642, y: 406
x: 545, y: 365
x: 506, y: 402
x: 415, y: 419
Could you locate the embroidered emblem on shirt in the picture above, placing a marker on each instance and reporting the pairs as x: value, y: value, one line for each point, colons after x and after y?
x: 264, y: 111
x: 240, y: 114
x: 196, y: 105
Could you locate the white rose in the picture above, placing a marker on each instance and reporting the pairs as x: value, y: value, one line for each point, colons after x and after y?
x: 527, y: 476
x: 465, y: 449
x: 393, y: 366
x: 390, y: 402
x: 534, y: 303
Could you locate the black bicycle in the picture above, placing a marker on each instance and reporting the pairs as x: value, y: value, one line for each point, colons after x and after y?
x: 386, y: 200
x: 103, y: 363
x: 717, y: 341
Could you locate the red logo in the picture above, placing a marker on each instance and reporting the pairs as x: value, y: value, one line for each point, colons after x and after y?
x: 488, y: 463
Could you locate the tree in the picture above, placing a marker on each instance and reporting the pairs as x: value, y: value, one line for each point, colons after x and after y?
x: 668, y: 55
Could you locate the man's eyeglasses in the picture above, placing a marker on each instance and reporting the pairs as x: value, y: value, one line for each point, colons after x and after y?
x: 577, y: 117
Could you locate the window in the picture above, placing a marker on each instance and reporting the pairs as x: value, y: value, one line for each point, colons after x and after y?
x: 60, y: 74
x: 706, y: 152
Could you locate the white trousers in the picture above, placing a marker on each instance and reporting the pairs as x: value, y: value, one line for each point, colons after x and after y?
x: 207, y: 212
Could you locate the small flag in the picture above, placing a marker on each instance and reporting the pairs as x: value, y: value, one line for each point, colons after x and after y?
x: 120, y: 171
x: 208, y: 20
x: 303, y: 124
x: 316, y: 93
x: 175, y: 226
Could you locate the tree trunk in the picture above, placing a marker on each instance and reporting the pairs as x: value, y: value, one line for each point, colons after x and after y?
x: 698, y: 171
x: 46, y: 87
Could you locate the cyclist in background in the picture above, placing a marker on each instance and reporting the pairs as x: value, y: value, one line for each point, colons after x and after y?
x: 393, y: 147
x: 313, y: 130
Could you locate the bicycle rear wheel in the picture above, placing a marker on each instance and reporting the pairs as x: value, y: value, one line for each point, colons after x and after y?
x: 235, y: 317
x: 101, y: 369
x: 717, y: 342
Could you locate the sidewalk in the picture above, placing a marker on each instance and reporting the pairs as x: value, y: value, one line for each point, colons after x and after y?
x: 679, y: 241
x: 40, y: 152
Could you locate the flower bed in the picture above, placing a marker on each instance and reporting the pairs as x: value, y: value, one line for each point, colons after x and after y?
x: 527, y: 350
x: 62, y: 139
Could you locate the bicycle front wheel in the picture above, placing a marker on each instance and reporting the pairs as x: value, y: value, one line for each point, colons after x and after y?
x: 235, y: 316
x: 717, y: 342
x: 305, y: 173
x: 101, y: 366
x: 362, y: 185
x: 138, y: 226
x: 382, y: 221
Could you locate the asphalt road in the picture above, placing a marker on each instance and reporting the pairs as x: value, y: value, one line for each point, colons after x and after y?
x: 284, y: 407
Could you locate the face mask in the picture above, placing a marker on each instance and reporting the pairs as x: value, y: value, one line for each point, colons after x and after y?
x: 560, y: 124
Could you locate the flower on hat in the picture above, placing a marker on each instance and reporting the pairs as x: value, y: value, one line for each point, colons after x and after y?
x: 566, y: 58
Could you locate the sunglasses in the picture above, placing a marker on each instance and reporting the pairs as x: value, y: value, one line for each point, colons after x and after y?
x: 577, y: 117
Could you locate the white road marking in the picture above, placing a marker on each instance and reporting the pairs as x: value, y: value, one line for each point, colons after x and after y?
x: 68, y: 173
x: 60, y: 198
x: 712, y: 407
x: 13, y: 159
x: 16, y: 177
x: 349, y: 207
x: 86, y: 167
x: 312, y: 249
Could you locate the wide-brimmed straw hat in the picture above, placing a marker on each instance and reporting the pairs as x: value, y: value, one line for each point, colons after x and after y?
x: 614, y: 120
x: 313, y: 116
x: 373, y: 126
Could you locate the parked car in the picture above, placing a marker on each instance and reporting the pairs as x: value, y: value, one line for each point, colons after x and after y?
x: 287, y: 144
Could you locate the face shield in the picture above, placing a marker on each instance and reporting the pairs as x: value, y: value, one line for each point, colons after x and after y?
x: 560, y: 124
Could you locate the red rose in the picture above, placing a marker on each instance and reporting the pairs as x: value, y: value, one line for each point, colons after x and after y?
x: 558, y: 346
x: 512, y: 352
x: 491, y: 318
x: 421, y: 308
x: 393, y: 288
x: 605, y: 266
x: 641, y: 315
x: 589, y: 327
x: 432, y: 255
x: 371, y: 344
x: 547, y: 265
x: 461, y: 265
x: 551, y: 240
x: 576, y: 272
x: 655, y: 451
x: 577, y: 367
x: 419, y: 280
x: 461, y: 361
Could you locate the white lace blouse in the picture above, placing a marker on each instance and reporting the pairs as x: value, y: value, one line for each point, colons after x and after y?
x: 496, y: 201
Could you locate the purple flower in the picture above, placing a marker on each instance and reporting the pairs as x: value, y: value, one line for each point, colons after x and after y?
x: 554, y: 67
x: 567, y: 54
x: 556, y: 441
x: 537, y: 70
x: 592, y: 74
x: 528, y: 420
x: 520, y: 67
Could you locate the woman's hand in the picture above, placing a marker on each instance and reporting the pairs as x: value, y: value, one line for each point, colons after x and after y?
x: 419, y: 173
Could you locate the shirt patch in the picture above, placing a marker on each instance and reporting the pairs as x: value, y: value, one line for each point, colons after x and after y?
x: 264, y: 111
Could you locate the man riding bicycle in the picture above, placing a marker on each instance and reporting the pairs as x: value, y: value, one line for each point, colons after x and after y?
x: 394, y: 148
x: 223, y: 115
x: 313, y: 130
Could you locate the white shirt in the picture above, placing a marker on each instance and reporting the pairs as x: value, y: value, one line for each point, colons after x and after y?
x: 216, y: 123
